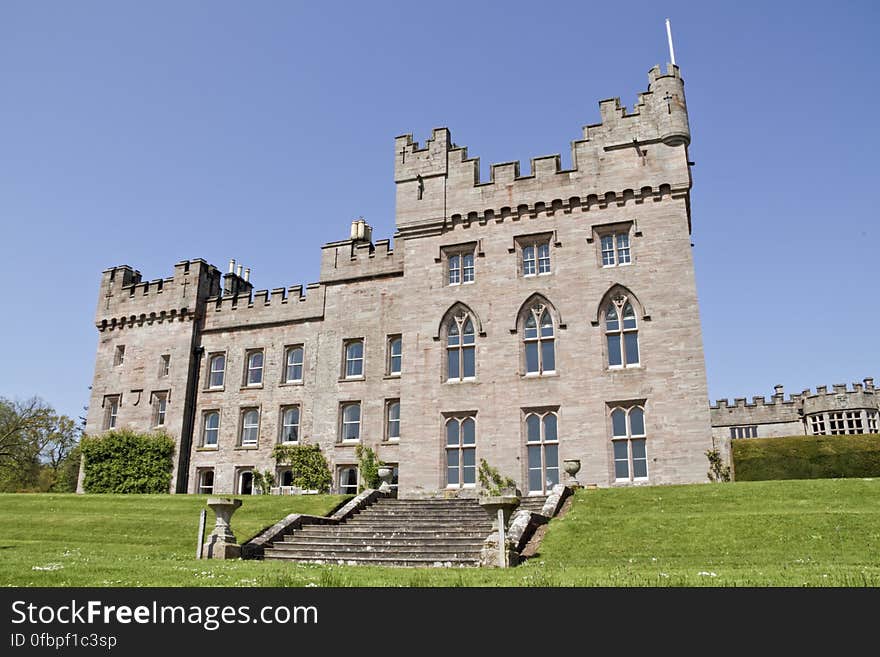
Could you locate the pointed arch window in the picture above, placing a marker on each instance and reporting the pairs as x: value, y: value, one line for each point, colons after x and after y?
x: 542, y: 446
x: 628, y: 440
x: 461, y: 452
x: 461, y: 359
x: 539, y: 341
x: 621, y: 333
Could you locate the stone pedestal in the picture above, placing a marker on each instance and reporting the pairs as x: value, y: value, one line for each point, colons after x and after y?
x: 385, y: 476
x: 572, y: 467
x: 221, y: 544
x: 500, y: 508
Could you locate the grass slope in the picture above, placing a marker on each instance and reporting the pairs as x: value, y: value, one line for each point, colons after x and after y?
x: 781, y: 533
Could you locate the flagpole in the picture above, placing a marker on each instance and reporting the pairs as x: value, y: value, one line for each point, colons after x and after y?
x: 669, y: 37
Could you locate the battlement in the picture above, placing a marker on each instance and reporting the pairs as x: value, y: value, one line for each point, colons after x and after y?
x: 358, y: 257
x: 625, y: 152
x: 291, y: 304
x: 806, y: 402
x: 124, y: 298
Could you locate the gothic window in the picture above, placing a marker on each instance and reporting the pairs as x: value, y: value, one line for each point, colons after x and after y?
x: 460, y: 267
x: 395, y: 355
x: 211, y: 431
x: 290, y: 424
x: 542, y: 446
x: 217, y: 371
x: 254, y: 374
x: 293, y: 371
x: 461, y: 452
x: 354, y: 359
x: 392, y: 420
x: 461, y: 364
x: 250, y: 427
x: 350, y: 423
x: 628, y: 441
x: 538, y: 341
x: 621, y: 332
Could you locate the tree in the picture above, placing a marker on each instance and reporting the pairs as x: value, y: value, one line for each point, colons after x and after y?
x: 34, y: 444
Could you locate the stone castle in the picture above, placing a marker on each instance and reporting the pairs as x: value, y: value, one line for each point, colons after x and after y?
x: 525, y: 320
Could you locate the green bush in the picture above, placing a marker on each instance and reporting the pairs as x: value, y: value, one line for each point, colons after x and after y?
x: 369, y: 464
x: 125, y: 461
x: 310, y: 469
x: 806, y: 457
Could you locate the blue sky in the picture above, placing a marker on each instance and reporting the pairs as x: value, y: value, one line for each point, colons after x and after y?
x: 147, y: 133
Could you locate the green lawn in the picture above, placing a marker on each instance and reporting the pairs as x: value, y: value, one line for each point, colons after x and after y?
x: 774, y: 533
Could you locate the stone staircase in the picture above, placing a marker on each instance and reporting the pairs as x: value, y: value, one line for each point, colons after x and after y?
x: 532, y: 503
x: 394, y: 532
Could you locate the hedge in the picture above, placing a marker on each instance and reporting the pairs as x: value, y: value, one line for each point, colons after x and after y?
x: 806, y: 457
x: 124, y: 461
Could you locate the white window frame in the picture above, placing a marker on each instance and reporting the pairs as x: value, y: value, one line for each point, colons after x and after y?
x: 542, y: 444
x: 245, y: 428
x: 389, y: 421
x: 202, y: 488
x: 111, y: 414
x: 253, y: 371
x: 461, y: 265
x: 457, y: 351
x: 459, y: 448
x: 535, y: 255
x: 344, y: 424
x: 619, y: 252
x: 290, y: 362
x: 212, y: 371
x: 629, y: 438
x: 349, y: 362
x: 392, y: 340
x: 160, y: 408
x: 619, y: 303
x: 536, y: 314
x: 285, y: 425
x: 206, y: 430
x: 340, y: 470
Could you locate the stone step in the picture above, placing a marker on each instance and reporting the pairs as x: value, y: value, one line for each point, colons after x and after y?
x: 420, y: 517
x: 427, y: 526
x: 376, y: 560
x: 367, y: 533
x: 366, y: 550
x: 331, y: 541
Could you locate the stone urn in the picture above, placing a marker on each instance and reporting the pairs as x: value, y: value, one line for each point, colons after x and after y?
x: 221, y: 544
x: 572, y: 467
x: 385, y: 475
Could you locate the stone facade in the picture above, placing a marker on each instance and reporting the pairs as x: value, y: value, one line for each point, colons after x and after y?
x: 612, y: 232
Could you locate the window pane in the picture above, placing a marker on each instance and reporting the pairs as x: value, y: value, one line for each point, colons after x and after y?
x: 533, y: 429
x: 531, y: 357
x: 550, y: 427
x: 452, y: 476
x: 452, y: 334
x: 621, y: 470
x: 352, y: 413
x: 535, y: 480
x: 631, y: 342
x: 548, y: 356
x: 552, y: 477
x: 608, y: 250
x: 528, y: 261
x: 454, y: 270
x: 452, y: 458
x: 531, y: 327
x: 546, y: 325
x: 396, y: 351
x: 638, y: 449
x: 468, y: 332
x: 637, y: 422
x: 468, y: 432
x: 551, y: 456
x: 213, y: 420
x: 470, y: 363
x: 257, y: 360
x: 394, y: 411
x: 611, y: 319
x: 534, y: 452
x: 468, y: 267
x: 543, y: 258
x: 629, y: 317
x: 469, y: 472
x: 623, y: 254
x: 614, y: 355
x: 618, y: 424
x: 356, y: 350
x: 453, y: 371
x: 452, y: 432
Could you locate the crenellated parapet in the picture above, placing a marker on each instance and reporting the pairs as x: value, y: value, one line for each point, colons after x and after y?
x: 778, y: 409
x: 292, y: 304
x: 627, y: 156
x: 354, y: 259
x: 126, y: 300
